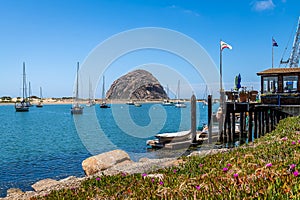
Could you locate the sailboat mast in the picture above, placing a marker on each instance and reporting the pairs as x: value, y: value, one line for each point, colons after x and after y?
x: 24, y: 81
x: 103, y: 86
x: 178, y: 89
x: 41, y: 93
x: 76, y: 92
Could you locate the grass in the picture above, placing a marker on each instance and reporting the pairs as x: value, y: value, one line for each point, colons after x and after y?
x: 268, y: 168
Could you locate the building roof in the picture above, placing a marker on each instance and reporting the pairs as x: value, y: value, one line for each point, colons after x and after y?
x: 275, y: 71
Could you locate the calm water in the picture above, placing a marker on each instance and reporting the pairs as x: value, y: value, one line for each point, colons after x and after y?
x: 44, y: 143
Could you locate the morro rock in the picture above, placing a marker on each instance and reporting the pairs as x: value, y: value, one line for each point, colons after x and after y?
x: 138, y: 84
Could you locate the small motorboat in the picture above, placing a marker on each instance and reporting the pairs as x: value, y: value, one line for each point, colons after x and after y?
x: 174, y: 137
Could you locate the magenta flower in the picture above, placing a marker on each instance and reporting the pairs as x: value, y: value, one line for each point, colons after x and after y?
x: 152, y: 180
x: 299, y: 141
x: 296, y: 173
x: 284, y: 139
x: 174, y: 171
x: 97, y: 179
x: 225, y: 169
x: 123, y: 174
x: 200, y: 165
x: 144, y: 174
x: 229, y: 165
x: 269, y: 165
x: 292, y: 166
x: 293, y: 142
x: 198, y: 187
x: 161, y: 183
x: 236, y: 175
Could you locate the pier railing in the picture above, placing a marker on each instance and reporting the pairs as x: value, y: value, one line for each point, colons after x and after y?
x: 247, y: 121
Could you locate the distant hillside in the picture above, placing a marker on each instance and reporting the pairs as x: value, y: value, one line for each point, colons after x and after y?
x: 138, y: 84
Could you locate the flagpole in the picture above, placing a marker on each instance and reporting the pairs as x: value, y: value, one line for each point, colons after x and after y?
x: 272, y: 53
x: 221, y: 95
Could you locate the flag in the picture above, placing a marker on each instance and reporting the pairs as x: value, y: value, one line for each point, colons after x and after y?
x: 274, y: 43
x: 225, y: 45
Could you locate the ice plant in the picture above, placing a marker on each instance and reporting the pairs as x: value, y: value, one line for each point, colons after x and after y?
x: 293, y: 142
x: 292, y: 166
x: 225, y: 169
x: 144, y: 174
x: 284, y: 139
x: 299, y: 141
x: 236, y: 175
x: 174, y: 171
x: 296, y: 173
x: 198, y: 187
x: 161, y: 183
x: 229, y: 165
x: 152, y: 180
x: 269, y: 165
x: 201, y: 165
x: 97, y: 179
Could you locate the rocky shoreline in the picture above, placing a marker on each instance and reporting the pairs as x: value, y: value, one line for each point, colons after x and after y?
x: 109, y: 163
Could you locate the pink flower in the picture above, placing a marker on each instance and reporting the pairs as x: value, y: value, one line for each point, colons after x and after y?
x: 225, y: 169
x: 236, y: 175
x: 200, y: 165
x: 144, y: 174
x: 296, y: 173
x: 161, y: 183
x: 292, y: 166
x: 299, y: 141
x: 293, y: 142
x: 97, y: 179
x: 152, y: 180
x: 229, y: 165
x: 269, y: 165
x: 174, y: 171
x: 198, y: 187
x: 123, y: 174
x: 284, y: 139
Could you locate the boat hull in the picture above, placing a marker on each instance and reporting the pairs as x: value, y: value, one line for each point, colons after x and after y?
x: 174, y: 137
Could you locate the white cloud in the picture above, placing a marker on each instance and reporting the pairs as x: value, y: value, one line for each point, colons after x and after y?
x: 263, y: 5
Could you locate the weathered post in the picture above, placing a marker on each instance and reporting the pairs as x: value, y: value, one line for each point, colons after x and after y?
x: 193, y: 118
x: 210, y: 124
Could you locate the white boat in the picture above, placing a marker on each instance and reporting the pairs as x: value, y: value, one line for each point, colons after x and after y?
x: 130, y: 102
x: 23, y: 105
x: 103, y: 104
x: 76, y: 107
x: 91, y: 101
x: 179, y: 104
x: 174, y: 137
x: 40, y: 103
x: 166, y: 102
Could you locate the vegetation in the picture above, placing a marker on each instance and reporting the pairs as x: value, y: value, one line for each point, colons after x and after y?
x: 268, y: 168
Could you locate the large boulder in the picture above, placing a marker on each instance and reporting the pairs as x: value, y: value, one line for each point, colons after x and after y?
x: 95, y: 164
x: 138, y: 84
x: 44, y: 184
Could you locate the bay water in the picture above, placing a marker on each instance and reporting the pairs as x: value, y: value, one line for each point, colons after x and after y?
x: 49, y: 142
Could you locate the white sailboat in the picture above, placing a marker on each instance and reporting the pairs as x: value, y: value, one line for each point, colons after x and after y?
x: 40, y: 103
x: 166, y: 102
x: 23, y: 105
x: 76, y: 107
x: 91, y: 101
x: 179, y: 104
x: 103, y: 104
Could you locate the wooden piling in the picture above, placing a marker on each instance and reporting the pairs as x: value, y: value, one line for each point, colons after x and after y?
x: 210, y: 124
x: 193, y: 118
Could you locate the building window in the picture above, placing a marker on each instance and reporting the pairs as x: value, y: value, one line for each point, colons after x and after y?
x: 270, y: 84
x: 290, y: 83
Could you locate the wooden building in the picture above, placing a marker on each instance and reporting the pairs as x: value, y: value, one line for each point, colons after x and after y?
x: 280, y: 86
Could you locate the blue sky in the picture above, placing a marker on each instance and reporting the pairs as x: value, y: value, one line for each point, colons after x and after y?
x: 52, y: 35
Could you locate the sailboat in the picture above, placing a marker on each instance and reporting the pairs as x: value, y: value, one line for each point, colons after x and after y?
x: 29, y: 95
x: 23, y: 105
x: 179, y: 104
x: 103, y: 104
x: 90, y: 102
x: 40, y: 103
x: 166, y: 102
x: 76, y: 107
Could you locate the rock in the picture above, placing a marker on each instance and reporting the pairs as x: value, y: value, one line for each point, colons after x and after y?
x: 14, y: 192
x: 44, y: 184
x: 103, y: 161
x: 138, y: 84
